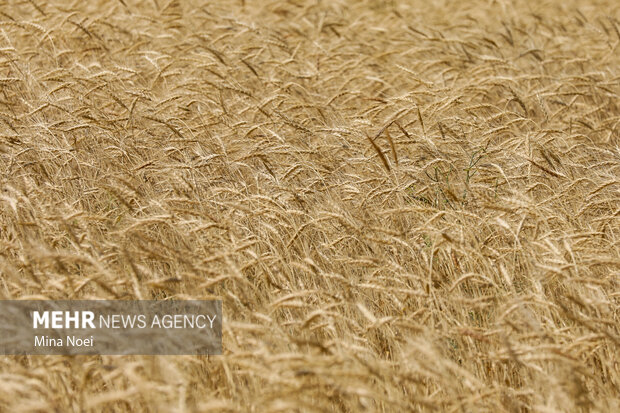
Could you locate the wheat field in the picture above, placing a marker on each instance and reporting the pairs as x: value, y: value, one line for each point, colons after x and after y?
x: 404, y: 206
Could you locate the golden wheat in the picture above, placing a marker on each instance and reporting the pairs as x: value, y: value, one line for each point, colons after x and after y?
x: 404, y: 206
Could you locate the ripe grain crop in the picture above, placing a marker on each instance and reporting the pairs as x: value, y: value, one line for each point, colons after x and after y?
x: 404, y: 206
